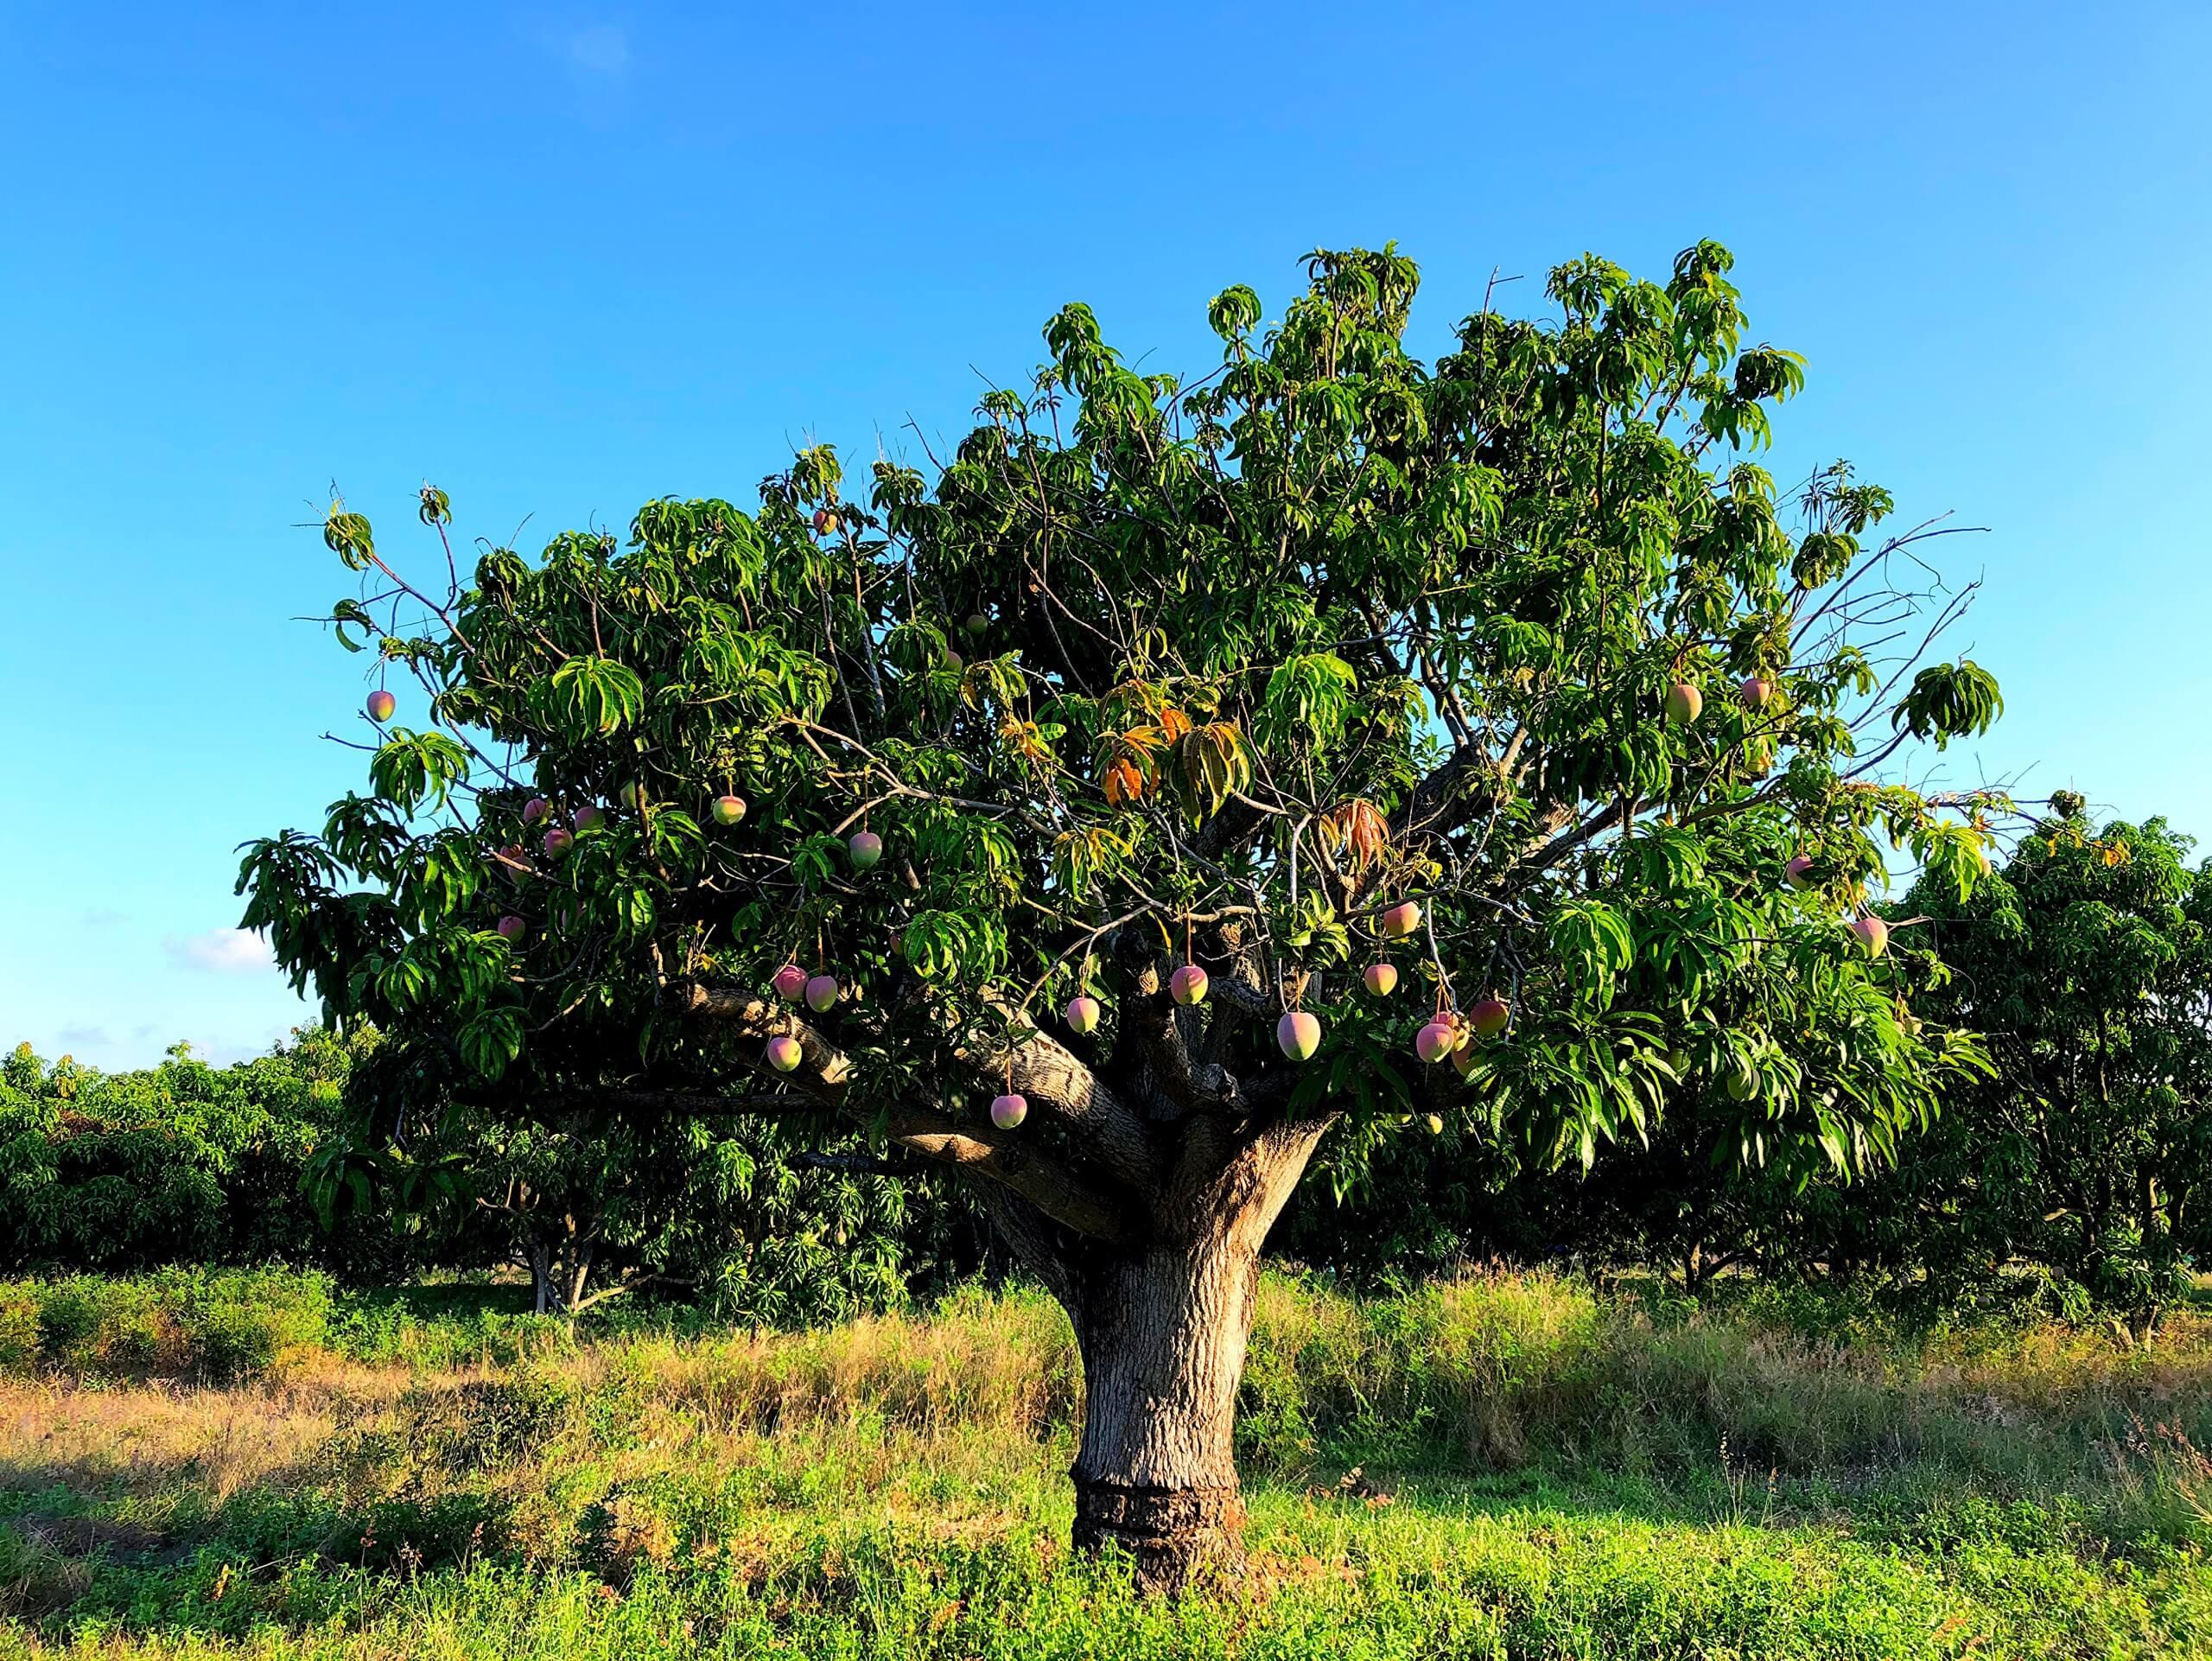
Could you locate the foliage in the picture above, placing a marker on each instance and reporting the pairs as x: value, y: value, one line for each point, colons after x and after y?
x: 720, y: 1211
x: 181, y: 1162
x: 1153, y: 670
x: 215, y: 1325
x: 2074, y: 1174
x: 2089, y: 964
x: 283, y: 1159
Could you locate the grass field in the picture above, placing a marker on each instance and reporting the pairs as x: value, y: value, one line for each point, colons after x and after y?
x: 1507, y: 1466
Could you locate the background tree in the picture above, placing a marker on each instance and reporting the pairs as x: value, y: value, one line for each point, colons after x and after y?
x: 2087, y: 964
x: 1193, y: 701
x: 595, y: 1205
x: 181, y: 1162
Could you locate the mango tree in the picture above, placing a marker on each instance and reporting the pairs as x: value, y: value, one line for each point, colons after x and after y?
x: 1174, y: 775
x: 181, y: 1163
x: 596, y: 1204
x: 2087, y: 964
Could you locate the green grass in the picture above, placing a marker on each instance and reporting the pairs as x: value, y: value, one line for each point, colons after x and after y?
x: 1507, y: 1466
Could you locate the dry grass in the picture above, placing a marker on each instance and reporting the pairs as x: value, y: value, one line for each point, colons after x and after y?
x: 1006, y: 1363
x: 141, y: 1439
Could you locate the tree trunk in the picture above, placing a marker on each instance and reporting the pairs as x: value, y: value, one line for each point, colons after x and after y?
x: 1694, y: 1269
x: 540, y: 1254
x: 578, y: 1275
x: 1162, y: 1331
x: 1161, y: 1325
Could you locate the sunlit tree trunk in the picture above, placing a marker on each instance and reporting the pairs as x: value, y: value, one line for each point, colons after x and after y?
x: 1161, y: 1324
x: 1162, y: 1333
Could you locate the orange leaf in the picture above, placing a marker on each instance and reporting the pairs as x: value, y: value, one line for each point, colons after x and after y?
x: 1124, y: 781
x: 1359, y: 825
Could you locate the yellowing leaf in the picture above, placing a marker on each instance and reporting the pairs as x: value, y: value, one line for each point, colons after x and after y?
x: 1360, y: 826
x: 1125, y: 781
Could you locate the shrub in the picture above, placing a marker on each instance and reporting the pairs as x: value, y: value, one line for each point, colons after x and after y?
x: 211, y: 1324
x: 19, y: 1325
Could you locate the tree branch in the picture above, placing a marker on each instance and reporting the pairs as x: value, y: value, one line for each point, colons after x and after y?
x: 824, y: 1073
x: 1056, y: 1080
x: 616, y: 1291
x: 1045, y: 1185
x: 1550, y: 854
x: 695, y: 1103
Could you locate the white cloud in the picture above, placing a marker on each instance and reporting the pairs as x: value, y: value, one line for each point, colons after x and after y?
x: 103, y: 918
x: 221, y: 950
x: 84, y: 1038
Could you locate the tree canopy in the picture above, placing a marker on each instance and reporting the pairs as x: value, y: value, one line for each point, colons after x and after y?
x: 182, y: 1161
x: 1511, y: 672
x: 1254, y: 655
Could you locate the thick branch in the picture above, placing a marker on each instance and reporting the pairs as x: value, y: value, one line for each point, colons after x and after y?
x: 1043, y: 1183
x: 824, y: 1073
x: 1239, y: 1182
x: 1573, y: 837
x: 1055, y: 1079
x: 1151, y: 1048
x: 1431, y: 808
x: 616, y: 1291
x: 1151, y: 1020
x: 1250, y: 1001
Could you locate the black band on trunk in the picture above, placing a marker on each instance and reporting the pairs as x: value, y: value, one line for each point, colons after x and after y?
x: 1140, y: 1515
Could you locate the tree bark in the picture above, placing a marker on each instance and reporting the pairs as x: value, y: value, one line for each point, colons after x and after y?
x: 1162, y: 1327
x: 540, y: 1254
x: 576, y: 1276
x: 1162, y: 1333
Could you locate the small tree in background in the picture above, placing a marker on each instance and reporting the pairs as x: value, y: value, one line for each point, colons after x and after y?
x: 1041, y: 815
x: 596, y: 1206
x: 2087, y: 964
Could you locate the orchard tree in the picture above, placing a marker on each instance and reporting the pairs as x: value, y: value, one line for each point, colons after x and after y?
x: 181, y: 1162
x: 596, y: 1204
x: 2087, y: 964
x: 1175, y: 775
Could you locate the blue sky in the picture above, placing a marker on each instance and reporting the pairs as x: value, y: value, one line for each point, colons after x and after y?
x: 560, y: 260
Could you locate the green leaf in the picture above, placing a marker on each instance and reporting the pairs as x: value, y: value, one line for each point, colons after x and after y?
x: 492, y: 1040
x: 598, y: 695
